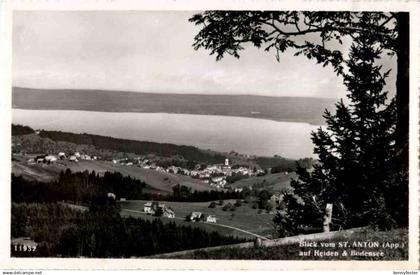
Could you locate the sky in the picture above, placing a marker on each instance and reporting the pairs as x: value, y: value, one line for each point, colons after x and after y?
x: 150, y: 51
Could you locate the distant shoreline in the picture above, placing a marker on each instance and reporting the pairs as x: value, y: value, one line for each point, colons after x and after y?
x: 261, y: 137
x: 193, y: 114
x: 279, y: 109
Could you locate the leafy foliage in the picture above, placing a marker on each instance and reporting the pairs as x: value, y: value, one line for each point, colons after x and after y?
x: 226, y: 31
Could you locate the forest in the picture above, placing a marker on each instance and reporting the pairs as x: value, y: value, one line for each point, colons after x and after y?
x: 189, y: 153
x: 40, y: 212
x: 85, y: 187
x: 102, y: 233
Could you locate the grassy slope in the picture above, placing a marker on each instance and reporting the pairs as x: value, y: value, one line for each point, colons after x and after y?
x: 291, y: 251
x: 205, y: 226
x: 272, y: 182
x: 244, y: 217
x: 162, y: 182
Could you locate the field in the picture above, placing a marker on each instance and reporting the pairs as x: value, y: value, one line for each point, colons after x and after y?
x: 271, y: 182
x: 244, y: 218
x: 161, y: 182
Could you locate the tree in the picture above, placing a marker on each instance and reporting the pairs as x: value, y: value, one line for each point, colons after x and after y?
x: 226, y: 32
x: 363, y: 154
x: 358, y: 168
x: 263, y: 198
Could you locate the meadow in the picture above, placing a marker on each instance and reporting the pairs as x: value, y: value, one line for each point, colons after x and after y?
x: 159, y: 181
x: 243, y: 218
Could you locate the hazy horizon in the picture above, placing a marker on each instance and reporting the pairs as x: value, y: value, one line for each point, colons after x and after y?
x: 150, y: 51
x: 172, y: 93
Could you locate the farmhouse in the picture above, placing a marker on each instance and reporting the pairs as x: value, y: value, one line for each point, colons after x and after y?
x: 147, y: 208
x: 50, y: 159
x: 85, y: 157
x: 73, y: 158
x: 211, y: 218
x: 169, y: 213
x: 194, y: 216
x: 62, y: 155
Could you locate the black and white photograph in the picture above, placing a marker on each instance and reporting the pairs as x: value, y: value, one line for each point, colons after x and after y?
x: 211, y: 134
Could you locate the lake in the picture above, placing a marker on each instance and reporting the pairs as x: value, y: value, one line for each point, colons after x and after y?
x: 220, y: 133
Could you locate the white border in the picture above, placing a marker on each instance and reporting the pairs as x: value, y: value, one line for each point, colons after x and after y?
x: 6, y: 9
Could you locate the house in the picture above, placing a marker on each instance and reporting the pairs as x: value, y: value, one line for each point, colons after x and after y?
x: 50, y: 159
x: 211, y: 218
x: 85, y: 157
x: 62, y: 155
x: 194, y: 216
x: 147, y: 208
x: 169, y: 213
x: 73, y: 158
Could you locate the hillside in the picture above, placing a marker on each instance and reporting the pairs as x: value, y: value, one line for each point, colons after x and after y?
x: 157, y: 182
x: 272, y: 182
x: 244, y: 217
x: 53, y: 141
x: 290, y: 109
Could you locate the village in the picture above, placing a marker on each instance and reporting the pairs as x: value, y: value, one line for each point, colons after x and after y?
x: 215, y: 175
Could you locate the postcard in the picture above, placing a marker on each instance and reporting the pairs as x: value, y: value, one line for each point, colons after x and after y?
x: 210, y: 135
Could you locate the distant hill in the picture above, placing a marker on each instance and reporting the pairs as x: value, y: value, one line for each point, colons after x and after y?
x: 49, y: 142
x: 290, y: 109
